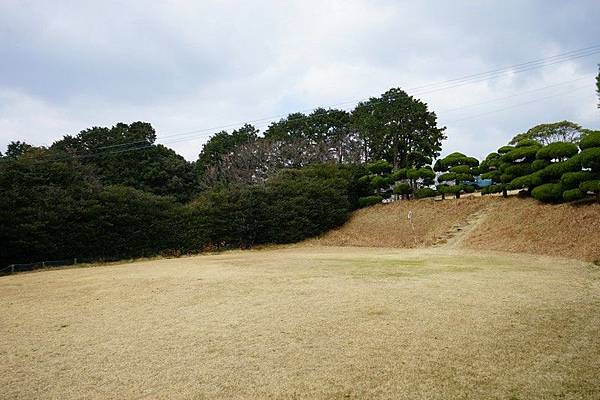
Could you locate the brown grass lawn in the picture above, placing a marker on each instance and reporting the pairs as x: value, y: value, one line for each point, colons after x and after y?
x: 306, y: 322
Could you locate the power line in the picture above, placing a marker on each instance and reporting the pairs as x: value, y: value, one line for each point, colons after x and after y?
x: 419, y: 90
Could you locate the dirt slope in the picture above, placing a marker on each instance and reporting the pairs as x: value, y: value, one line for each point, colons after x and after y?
x: 527, y: 226
x: 492, y: 223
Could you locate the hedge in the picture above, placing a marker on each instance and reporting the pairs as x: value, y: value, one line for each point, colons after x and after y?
x: 548, y: 192
x: 369, y: 201
x: 425, y: 192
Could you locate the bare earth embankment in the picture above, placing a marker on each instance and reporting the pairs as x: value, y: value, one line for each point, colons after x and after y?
x: 513, y: 225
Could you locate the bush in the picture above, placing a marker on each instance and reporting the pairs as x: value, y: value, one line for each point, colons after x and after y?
x: 468, y: 188
x: 399, y: 174
x: 402, y: 189
x: 557, y: 150
x: 537, y: 165
x: 590, y: 186
x: 528, y: 181
x: 518, y: 169
x: 548, y: 193
x: 369, y: 201
x: 379, y: 167
x: 379, y: 182
x: 521, y: 153
x: 424, y: 192
x: 426, y: 173
x: 571, y: 180
x: 589, y: 140
x: 573, y: 194
x: 461, y: 169
x: 505, y: 149
x: 590, y: 158
x: 554, y: 171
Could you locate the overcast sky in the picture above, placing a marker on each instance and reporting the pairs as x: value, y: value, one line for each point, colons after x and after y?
x: 187, y: 65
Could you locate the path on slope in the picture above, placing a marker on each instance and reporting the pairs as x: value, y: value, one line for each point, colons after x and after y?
x: 455, y: 237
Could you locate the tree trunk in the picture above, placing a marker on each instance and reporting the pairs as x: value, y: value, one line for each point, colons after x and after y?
x: 504, y: 193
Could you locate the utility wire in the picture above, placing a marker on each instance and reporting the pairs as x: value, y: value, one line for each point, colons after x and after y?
x: 418, y: 90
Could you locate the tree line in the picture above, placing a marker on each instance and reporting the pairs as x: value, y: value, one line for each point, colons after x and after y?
x: 109, y: 193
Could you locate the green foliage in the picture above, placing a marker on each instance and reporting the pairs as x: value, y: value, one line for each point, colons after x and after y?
x: 527, y: 181
x: 424, y: 192
x: 537, y: 165
x: 518, y: 169
x: 589, y: 140
x: 505, y: 149
x: 557, y: 150
x: 563, y: 131
x: 379, y: 167
x: 590, y: 158
x: 524, y: 153
x: 492, y: 189
x: 413, y: 174
x: 379, y: 182
x: 573, y: 194
x: 461, y: 169
x: 403, y: 189
x: 590, y: 186
x: 369, y: 201
x: 548, y: 193
x: 554, y: 171
x: 399, y: 174
x: 399, y: 129
x: 448, y: 176
x: 572, y: 180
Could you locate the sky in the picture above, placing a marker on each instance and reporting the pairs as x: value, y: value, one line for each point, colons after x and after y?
x: 192, y: 67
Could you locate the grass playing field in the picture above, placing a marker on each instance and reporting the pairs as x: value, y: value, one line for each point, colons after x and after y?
x: 306, y: 322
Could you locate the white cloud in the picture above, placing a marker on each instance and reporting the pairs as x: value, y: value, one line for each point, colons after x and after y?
x: 188, y: 65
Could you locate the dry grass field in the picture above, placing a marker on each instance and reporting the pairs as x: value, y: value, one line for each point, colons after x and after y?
x: 306, y: 322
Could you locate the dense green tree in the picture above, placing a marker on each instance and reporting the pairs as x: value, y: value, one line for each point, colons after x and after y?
x: 398, y: 128
x: 457, y: 169
x: 16, y: 149
x: 126, y: 155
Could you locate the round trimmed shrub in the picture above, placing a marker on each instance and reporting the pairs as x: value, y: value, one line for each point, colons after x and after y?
x: 590, y: 140
x: 528, y: 143
x: 590, y: 186
x: 527, y: 181
x: 399, y: 174
x: 468, y: 188
x: 461, y: 169
x: 537, y: 165
x: 402, y: 189
x: 557, y: 150
x: 573, y: 194
x: 379, y: 167
x: 555, y: 171
x: 448, y: 176
x: 519, y: 169
x: 413, y: 174
x: 548, y: 193
x: 590, y: 158
x: 521, y: 153
x: 379, y: 182
x: 505, y: 149
x: 572, y: 180
x: 369, y: 201
x: 426, y: 173
x: 424, y: 192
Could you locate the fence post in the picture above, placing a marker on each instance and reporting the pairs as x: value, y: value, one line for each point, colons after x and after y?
x: 12, y: 268
x: 43, y: 265
x: 75, y: 261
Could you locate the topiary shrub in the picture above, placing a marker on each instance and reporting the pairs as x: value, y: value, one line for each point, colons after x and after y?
x: 573, y: 194
x: 468, y: 188
x: 369, y: 201
x: 403, y: 189
x: 591, y: 186
x: 554, y: 171
x: 505, y: 149
x: 399, y: 174
x: 424, y: 192
x: 379, y: 167
x: 591, y: 139
x: 590, y: 158
x: 521, y: 153
x: 557, y: 150
x: 572, y: 180
x: 537, y: 165
x: 528, y: 181
x: 548, y: 193
x: 379, y: 182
